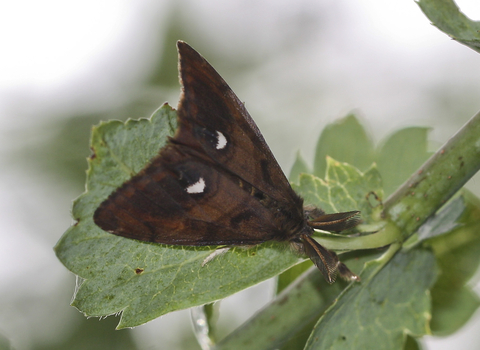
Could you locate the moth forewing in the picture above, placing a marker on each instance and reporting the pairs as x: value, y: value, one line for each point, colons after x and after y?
x: 216, y: 182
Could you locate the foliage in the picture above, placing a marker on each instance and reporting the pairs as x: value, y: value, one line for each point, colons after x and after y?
x: 173, y: 278
x: 416, y: 286
x: 143, y: 280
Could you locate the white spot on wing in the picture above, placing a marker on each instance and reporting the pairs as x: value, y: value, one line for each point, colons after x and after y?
x: 197, y: 187
x: 221, y: 140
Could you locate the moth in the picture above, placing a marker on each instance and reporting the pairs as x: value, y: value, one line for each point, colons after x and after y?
x: 216, y: 182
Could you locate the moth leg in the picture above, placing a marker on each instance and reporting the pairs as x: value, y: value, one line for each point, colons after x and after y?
x: 326, y: 261
x: 214, y: 254
x: 345, y: 273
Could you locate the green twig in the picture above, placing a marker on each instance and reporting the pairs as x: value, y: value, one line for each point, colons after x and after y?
x: 386, y: 236
x: 429, y: 188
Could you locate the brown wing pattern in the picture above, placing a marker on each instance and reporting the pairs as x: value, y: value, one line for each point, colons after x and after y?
x: 208, y: 106
x: 216, y: 182
x: 156, y: 206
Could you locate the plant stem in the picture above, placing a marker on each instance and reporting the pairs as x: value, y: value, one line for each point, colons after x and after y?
x: 387, y: 235
x: 270, y: 328
x: 437, y: 180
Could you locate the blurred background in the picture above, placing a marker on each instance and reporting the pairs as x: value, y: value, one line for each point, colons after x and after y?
x: 298, y: 65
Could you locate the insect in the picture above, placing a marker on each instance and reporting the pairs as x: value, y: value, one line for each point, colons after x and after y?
x: 216, y: 182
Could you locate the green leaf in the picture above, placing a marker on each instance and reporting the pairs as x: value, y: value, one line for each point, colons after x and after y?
x: 351, y: 189
x: 400, y: 155
x: 378, y: 312
x: 457, y: 255
x: 452, y: 308
x: 289, y: 276
x: 299, y: 167
x: 348, y: 185
x: 145, y: 280
x: 411, y: 344
x: 93, y: 335
x: 347, y: 141
x: 444, y: 221
x: 446, y: 16
x: 285, y: 320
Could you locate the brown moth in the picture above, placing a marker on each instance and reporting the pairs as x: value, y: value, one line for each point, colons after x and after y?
x: 216, y: 182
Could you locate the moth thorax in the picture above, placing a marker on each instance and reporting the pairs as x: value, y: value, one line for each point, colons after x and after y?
x: 295, y: 228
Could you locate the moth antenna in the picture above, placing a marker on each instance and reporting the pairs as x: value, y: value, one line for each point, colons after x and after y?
x: 336, y: 222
